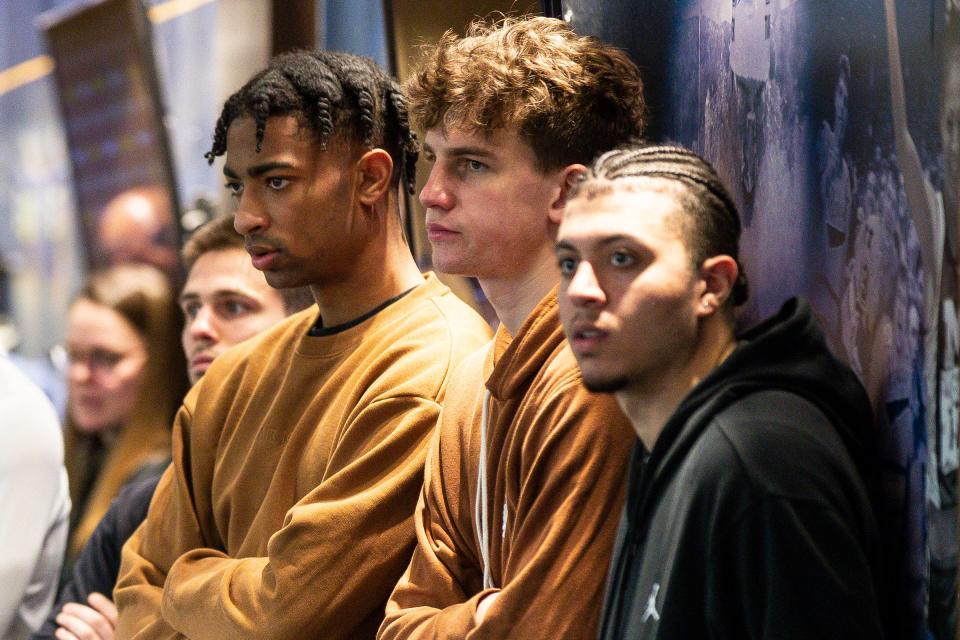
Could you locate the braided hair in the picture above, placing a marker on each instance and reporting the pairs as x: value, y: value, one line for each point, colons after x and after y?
x: 715, y: 222
x: 334, y: 95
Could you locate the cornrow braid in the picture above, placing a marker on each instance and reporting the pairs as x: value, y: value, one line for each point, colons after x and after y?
x: 715, y: 220
x: 334, y: 95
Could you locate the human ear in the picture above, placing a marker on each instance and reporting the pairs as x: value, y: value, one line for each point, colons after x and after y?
x: 568, y: 178
x: 718, y: 274
x: 375, y: 168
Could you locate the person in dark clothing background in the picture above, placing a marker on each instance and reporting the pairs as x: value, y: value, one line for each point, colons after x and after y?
x: 749, y: 509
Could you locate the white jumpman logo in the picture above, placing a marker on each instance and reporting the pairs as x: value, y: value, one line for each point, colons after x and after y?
x: 651, y: 611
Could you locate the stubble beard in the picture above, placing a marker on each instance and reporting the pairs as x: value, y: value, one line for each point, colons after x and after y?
x: 608, y: 385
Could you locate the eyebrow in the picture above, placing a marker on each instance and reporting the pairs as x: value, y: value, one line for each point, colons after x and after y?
x: 257, y: 169
x: 217, y: 294
x: 461, y: 151
x: 563, y: 244
x: 187, y: 297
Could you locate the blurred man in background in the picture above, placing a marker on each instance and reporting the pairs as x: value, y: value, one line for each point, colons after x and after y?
x: 139, y: 225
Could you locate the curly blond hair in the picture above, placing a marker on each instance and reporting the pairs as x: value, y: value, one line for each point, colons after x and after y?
x: 571, y: 97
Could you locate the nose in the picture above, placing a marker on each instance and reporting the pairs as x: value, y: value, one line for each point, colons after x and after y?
x: 249, y: 216
x: 203, y: 326
x: 584, y: 288
x: 79, y: 371
x: 436, y: 194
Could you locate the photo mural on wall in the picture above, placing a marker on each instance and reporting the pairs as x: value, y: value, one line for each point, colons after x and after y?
x: 829, y: 122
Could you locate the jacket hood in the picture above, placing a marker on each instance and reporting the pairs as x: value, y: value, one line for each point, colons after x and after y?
x: 788, y: 352
x: 514, y: 360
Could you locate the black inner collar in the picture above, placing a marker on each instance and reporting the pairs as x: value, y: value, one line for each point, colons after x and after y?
x: 319, y: 330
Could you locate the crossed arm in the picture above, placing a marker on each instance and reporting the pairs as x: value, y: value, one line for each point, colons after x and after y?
x: 327, y: 571
x: 552, y: 565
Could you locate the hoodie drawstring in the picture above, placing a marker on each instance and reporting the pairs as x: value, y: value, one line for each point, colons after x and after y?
x: 480, y: 507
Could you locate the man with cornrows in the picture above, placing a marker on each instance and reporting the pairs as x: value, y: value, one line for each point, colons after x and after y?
x: 298, y: 457
x: 749, y: 511
x: 524, y: 483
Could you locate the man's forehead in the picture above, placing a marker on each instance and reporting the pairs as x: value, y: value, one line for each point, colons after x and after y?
x: 229, y: 263
x: 454, y: 137
x: 280, y: 134
x: 442, y: 137
x: 284, y: 124
x: 613, y: 211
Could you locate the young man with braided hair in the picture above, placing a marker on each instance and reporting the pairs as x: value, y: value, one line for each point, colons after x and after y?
x: 298, y: 457
x: 749, y: 509
x: 525, y: 480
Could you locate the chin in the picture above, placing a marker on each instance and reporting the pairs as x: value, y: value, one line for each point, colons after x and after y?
x: 452, y: 267
x: 605, y: 384
x: 451, y: 262
x: 88, y: 426
x: 285, y: 279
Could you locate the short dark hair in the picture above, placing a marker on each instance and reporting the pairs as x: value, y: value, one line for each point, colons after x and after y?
x: 714, y: 227
x: 219, y: 235
x: 570, y: 96
x: 335, y: 96
x: 216, y: 235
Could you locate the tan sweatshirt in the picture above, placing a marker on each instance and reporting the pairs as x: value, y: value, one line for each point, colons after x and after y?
x: 287, y: 512
x: 556, y: 459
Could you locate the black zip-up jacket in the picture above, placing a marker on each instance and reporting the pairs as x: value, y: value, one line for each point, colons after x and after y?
x: 753, y: 515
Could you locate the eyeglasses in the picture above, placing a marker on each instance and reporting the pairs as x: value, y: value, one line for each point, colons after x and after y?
x: 98, y: 360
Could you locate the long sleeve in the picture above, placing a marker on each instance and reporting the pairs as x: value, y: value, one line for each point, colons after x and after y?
x: 441, y: 587
x: 567, y: 465
x: 353, y: 523
x: 170, y: 529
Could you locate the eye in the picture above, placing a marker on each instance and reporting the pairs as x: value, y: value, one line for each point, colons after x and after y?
x: 474, y: 166
x: 429, y: 156
x: 469, y: 166
x: 235, y: 188
x: 234, y: 308
x: 567, y: 265
x: 621, y: 259
x: 190, y: 310
x: 277, y: 183
x: 104, y: 359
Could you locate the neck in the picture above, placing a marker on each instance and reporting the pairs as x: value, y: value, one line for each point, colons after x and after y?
x: 649, y: 405
x: 382, y: 269
x: 514, y: 297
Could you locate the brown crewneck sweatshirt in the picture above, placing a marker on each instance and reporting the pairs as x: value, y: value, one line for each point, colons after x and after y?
x: 287, y: 512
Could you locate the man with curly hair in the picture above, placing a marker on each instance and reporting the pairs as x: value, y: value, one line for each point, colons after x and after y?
x: 525, y: 482
x: 298, y: 457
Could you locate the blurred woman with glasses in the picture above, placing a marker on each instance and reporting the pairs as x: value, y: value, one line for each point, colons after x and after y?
x: 126, y: 379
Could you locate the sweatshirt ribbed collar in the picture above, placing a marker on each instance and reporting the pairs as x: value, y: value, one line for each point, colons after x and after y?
x: 334, y: 345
